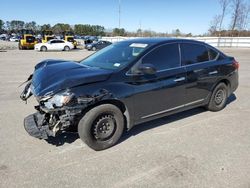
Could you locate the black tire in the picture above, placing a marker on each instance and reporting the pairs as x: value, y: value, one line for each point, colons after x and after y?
x: 101, y: 127
x: 66, y: 48
x: 218, y: 98
x: 94, y: 48
x: 43, y: 49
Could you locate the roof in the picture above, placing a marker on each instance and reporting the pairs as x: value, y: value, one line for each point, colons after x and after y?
x: 155, y: 40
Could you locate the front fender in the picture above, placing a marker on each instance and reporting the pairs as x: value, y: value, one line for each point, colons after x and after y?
x: 119, y: 94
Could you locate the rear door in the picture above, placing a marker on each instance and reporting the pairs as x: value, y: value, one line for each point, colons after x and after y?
x: 202, y: 71
x: 163, y: 92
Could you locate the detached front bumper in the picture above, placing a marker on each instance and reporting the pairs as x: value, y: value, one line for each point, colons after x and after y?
x: 33, y: 124
x: 47, y: 123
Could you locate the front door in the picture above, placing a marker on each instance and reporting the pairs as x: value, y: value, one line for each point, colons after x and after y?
x: 163, y: 92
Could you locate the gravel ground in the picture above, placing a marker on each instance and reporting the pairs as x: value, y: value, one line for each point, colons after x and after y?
x: 7, y: 45
x: 196, y: 148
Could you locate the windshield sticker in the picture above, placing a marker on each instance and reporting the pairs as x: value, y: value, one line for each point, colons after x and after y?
x: 117, y: 64
x: 138, y: 45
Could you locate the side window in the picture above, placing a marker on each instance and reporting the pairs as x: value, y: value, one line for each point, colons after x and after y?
x: 53, y: 42
x: 193, y: 53
x: 163, y: 57
x: 56, y: 41
x: 212, y: 54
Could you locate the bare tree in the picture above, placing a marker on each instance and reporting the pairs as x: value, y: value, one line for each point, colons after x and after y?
x: 237, y: 6
x: 224, y: 5
x: 244, y: 17
x: 215, y: 24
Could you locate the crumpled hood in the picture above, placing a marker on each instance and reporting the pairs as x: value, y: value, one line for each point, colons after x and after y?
x: 51, y: 76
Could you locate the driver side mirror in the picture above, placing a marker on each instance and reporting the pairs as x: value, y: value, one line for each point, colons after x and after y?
x: 147, y: 69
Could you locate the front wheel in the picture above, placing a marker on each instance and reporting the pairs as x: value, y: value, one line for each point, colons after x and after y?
x: 218, y: 98
x: 101, y: 127
x: 43, y: 49
x: 94, y: 48
x: 66, y: 48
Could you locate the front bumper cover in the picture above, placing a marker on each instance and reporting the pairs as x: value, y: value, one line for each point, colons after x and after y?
x: 33, y: 124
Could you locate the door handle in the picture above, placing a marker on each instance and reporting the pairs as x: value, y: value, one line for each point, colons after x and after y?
x: 213, y: 72
x: 180, y: 79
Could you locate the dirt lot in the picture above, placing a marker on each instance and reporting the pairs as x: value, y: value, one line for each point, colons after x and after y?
x: 196, y: 148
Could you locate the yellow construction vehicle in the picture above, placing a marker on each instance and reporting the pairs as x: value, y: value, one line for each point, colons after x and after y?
x: 27, y: 40
x: 47, y: 35
x: 69, y: 36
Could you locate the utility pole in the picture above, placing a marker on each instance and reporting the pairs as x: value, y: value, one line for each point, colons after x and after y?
x: 140, y: 28
x: 119, y: 14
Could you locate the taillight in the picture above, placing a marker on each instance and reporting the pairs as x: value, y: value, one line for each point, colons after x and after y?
x: 236, y: 64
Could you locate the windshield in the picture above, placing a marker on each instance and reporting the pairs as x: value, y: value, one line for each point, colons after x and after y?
x: 115, y: 56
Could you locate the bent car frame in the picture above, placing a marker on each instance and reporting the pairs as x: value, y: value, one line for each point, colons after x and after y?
x: 125, y: 84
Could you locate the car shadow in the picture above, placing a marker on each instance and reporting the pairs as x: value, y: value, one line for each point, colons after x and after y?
x: 167, y: 120
x: 231, y: 98
x: 61, y: 139
x: 70, y: 137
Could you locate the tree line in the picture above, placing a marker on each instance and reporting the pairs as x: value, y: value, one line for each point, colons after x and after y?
x: 15, y: 26
x: 237, y: 11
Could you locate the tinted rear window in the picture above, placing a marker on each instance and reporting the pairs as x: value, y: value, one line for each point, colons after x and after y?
x: 164, y: 57
x: 193, y: 53
x: 212, y: 54
x: 70, y: 39
x: 30, y: 39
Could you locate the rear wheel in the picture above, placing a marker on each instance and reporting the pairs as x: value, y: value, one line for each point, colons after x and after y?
x: 218, y: 98
x: 94, y: 48
x: 101, y: 127
x: 66, y: 48
x: 44, y: 49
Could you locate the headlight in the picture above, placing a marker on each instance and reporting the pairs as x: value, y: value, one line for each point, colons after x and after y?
x: 58, y: 100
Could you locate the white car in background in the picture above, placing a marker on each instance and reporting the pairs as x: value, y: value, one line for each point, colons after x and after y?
x: 14, y: 39
x: 54, y: 44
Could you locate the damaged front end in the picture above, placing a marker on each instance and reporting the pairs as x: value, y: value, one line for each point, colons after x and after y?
x: 57, y: 112
x: 44, y: 124
x: 54, y: 84
x: 54, y: 113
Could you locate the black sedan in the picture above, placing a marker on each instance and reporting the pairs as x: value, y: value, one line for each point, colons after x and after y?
x: 125, y: 84
x: 98, y: 45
